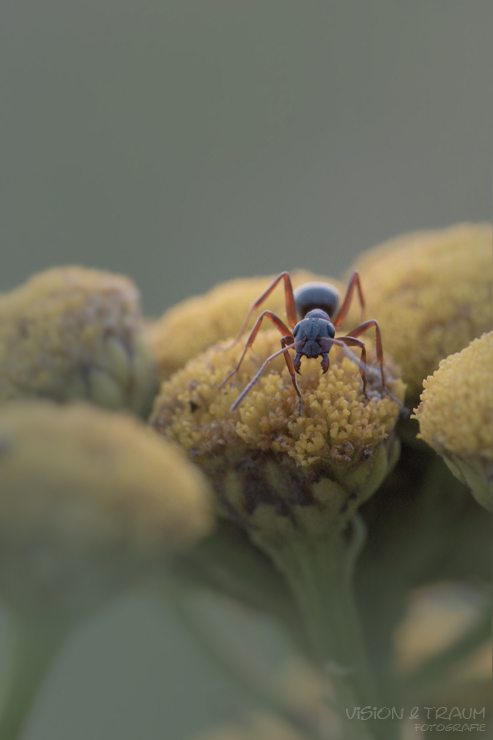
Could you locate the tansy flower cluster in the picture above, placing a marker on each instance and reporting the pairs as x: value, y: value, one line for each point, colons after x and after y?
x: 94, y: 501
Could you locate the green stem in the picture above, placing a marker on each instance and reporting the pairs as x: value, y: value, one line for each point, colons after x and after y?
x: 31, y: 649
x: 320, y: 572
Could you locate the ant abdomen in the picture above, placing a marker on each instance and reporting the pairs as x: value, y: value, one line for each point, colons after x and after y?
x: 316, y: 295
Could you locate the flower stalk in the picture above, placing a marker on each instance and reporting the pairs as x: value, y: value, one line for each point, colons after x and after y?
x: 320, y: 573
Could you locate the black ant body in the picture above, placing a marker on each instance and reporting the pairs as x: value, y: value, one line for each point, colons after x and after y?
x: 309, y: 310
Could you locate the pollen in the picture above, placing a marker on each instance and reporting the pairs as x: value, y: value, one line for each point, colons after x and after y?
x: 431, y: 293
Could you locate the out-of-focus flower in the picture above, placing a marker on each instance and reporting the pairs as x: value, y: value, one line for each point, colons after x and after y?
x: 431, y: 293
x: 456, y: 416
x: 272, y: 468
x: 89, y: 502
x: 443, y: 649
x: 188, y: 328
x: 259, y: 727
x: 437, y: 617
x: 76, y: 333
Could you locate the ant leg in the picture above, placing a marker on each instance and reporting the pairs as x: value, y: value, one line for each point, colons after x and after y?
x: 290, y: 306
x: 353, y: 342
x: 354, y: 282
x: 250, y: 385
x: 360, y: 330
x: 251, y: 338
x: 285, y: 342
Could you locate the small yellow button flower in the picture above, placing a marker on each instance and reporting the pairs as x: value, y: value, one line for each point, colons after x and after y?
x: 431, y: 292
x: 89, y: 500
x: 188, y: 328
x: 75, y: 333
x: 272, y: 467
x: 456, y: 416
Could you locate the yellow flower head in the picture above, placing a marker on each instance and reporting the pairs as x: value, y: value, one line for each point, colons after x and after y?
x: 193, y: 325
x: 431, y: 293
x: 88, y: 501
x: 75, y: 333
x: 270, y: 466
x: 456, y: 415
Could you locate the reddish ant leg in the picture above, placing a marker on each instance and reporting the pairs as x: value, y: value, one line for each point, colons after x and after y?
x: 290, y: 306
x: 250, y: 385
x: 404, y: 412
x: 354, y: 282
x: 360, y: 330
x: 353, y: 342
x: 286, y: 342
x: 280, y: 325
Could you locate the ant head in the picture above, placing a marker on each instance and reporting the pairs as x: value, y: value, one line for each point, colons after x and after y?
x: 316, y: 295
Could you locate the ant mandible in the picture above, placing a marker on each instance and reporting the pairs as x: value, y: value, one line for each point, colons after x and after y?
x: 313, y: 334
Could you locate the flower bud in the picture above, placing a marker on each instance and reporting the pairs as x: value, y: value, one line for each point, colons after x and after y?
x: 431, y: 293
x: 75, y: 333
x: 456, y: 416
x: 89, y: 502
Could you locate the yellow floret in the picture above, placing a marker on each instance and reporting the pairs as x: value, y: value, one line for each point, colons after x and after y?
x: 431, y: 293
x: 88, y: 500
x: 193, y: 325
x: 285, y: 458
x: 456, y: 412
x: 75, y: 333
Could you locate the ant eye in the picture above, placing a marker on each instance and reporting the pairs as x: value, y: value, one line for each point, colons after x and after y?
x: 316, y: 295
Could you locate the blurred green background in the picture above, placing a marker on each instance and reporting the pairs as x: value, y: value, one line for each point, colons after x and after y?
x: 186, y: 142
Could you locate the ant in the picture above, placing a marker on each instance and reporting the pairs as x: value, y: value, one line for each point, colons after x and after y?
x: 313, y: 334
